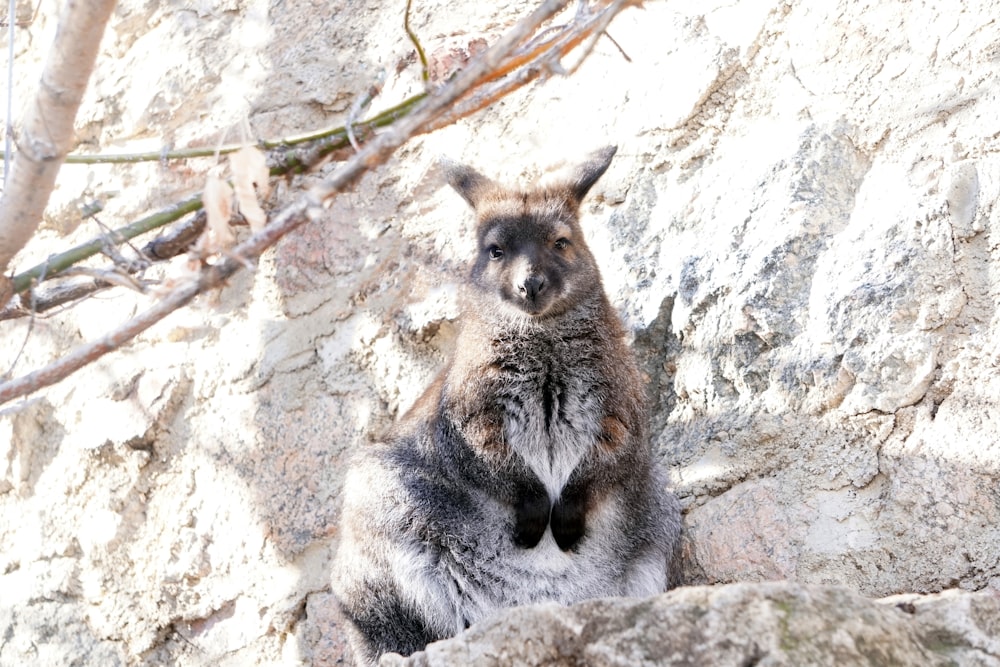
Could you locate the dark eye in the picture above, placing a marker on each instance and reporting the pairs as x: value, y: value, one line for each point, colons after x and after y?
x: 496, y: 252
x: 562, y: 243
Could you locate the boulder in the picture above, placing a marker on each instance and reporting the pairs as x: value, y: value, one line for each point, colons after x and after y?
x: 729, y: 625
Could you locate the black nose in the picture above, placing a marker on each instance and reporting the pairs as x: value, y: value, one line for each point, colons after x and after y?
x: 532, y: 287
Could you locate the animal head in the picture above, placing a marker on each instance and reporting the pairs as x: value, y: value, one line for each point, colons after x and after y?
x: 531, y: 254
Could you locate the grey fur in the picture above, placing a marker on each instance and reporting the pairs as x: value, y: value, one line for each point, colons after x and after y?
x: 524, y: 472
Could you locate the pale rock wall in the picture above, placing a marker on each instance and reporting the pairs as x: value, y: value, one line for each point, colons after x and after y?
x: 799, y: 228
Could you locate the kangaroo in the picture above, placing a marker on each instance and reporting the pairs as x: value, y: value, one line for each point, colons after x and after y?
x: 524, y: 472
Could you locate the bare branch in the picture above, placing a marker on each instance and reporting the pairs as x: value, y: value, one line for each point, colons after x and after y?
x: 478, y: 73
x: 321, y: 145
x: 320, y: 142
x: 286, y: 160
x: 56, y: 263
x: 177, y: 240
x: 60, y: 294
x: 47, y: 130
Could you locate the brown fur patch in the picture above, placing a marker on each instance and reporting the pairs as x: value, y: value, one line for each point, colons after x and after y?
x: 485, y: 432
x: 613, y: 434
x: 549, y: 205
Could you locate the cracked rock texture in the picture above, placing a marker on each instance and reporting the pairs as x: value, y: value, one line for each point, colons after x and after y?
x: 779, y: 623
x: 800, y: 230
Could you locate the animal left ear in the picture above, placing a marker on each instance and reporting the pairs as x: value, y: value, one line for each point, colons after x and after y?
x: 592, y: 169
x: 467, y: 181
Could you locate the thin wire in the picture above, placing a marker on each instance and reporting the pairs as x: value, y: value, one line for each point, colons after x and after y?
x: 9, y: 129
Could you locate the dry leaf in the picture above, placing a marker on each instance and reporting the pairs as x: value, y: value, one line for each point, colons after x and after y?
x: 6, y: 290
x: 218, y: 202
x: 250, y: 169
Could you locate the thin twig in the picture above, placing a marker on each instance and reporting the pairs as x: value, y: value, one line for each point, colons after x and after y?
x: 360, y: 105
x: 424, y: 73
x: 600, y: 22
x: 56, y: 263
x: 544, y: 53
x: 618, y: 46
x: 8, y: 118
x: 68, y: 290
x: 335, y: 136
x: 323, y: 144
x: 309, y: 205
x: 541, y: 37
x: 58, y: 295
x: 24, y: 343
x: 162, y: 248
x: 110, y: 250
x: 118, y: 277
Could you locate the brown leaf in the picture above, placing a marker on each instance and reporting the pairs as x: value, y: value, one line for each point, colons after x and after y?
x: 218, y: 202
x: 6, y: 290
x: 249, y: 170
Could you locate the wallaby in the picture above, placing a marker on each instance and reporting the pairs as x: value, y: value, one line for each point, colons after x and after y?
x: 524, y: 472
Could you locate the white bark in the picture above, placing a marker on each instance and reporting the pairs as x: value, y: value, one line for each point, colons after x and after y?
x: 47, y: 127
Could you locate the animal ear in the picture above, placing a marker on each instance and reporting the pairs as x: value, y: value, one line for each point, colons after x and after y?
x: 592, y: 169
x: 467, y: 181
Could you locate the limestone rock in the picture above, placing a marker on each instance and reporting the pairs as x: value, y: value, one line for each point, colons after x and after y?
x: 738, y: 624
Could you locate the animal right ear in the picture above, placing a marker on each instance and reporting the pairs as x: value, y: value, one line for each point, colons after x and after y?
x: 467, y: 181
x: 592, y: 169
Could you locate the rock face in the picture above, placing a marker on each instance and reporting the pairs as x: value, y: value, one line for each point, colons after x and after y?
x: 739, y: 624
x: 800, y: 228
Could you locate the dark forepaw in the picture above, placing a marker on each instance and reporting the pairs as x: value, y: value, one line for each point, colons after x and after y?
x: 384, y: 623
x: 569, y: 521
x: 531, y: 516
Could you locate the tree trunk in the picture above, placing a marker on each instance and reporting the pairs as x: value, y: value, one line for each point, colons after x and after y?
x: 47, y: 128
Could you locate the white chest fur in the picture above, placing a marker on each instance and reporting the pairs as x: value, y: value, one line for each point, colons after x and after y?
x: 552, y: 426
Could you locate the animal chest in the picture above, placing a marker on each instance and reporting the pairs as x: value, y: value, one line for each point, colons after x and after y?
x: 551, y: 419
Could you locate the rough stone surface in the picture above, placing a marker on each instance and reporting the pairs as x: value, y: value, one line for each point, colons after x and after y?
x: 800, y: 229
x: 736, y: 624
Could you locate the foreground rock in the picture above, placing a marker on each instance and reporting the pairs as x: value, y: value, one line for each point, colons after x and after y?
x: 739, y: 624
